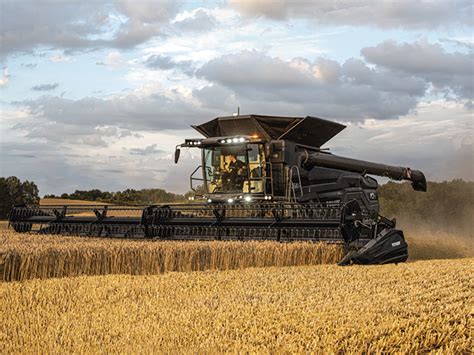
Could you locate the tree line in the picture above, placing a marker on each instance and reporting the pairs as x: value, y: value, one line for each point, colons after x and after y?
x: 444, y: 204
x: 128, y: 196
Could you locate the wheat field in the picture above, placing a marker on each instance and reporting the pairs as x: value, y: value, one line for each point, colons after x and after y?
x: 423, y: 306
x: 142, y: 304
x: 27, y: 256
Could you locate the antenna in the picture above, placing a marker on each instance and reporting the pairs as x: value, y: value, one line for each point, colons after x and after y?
x: 238, y: 112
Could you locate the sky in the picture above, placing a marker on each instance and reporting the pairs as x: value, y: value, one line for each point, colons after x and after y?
x: 97, y: 94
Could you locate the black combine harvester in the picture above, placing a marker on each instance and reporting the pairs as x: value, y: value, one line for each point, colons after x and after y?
x: 260, y: 178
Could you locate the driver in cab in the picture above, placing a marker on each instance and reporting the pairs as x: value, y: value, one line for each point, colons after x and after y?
x: 235, y: 165
x: 235, y: 169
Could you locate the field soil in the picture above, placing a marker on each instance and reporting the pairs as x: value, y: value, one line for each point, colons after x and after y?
x: 413, y: 307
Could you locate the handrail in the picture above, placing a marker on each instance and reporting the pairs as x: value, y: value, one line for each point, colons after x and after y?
x: 191, y: 178
x: 292, y: 185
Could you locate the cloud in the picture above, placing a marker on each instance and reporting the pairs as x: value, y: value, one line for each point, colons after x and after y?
x: 148, y: 150
x: 114, y: 171
x: 46, y: 156
x: 157, y: 61
x: 218, y: 97
x: 252, y: 68
x: 132, y: 111
x: 23, y: 155
x: 27, y: 24
x: 45, y: 87
x: 98, y: 122
x: 148, y: 12
x: 57, y: 58
x: 464, y: 42
x: 199, y: 21
x: 29, y: 65
x: 70, y: 168
x: 446, y: 71
x: 160, y: 62
x: 351, y: 91
x: 113, y: 59
x: 416, y: 14
x: 437, y: 140
x: 81, y: 25
x: 60, y: 133
x: 357, y: 72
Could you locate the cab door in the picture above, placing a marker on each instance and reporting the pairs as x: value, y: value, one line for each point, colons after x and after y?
x: 256, y: 169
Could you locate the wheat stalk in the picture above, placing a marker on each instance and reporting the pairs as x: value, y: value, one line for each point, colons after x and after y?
x: 26, y: 256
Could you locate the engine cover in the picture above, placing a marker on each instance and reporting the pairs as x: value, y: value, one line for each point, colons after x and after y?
x: 323, y: 184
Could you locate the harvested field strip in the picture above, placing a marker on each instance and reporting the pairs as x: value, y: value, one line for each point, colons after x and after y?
x: 62, y: 201
x: 413, y: 307
x: 28, y: 256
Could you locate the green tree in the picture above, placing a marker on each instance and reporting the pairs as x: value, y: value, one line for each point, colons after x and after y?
x: 14, y: 192
x: 128, y: 196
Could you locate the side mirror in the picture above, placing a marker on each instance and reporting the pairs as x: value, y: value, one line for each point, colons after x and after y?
x: 176, y: 155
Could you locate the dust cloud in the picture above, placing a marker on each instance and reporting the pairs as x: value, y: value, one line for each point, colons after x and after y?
x: 435, y: 241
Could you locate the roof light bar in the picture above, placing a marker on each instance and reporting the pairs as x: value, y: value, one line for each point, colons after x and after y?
x: 192, y: 142
x: 233, y: 140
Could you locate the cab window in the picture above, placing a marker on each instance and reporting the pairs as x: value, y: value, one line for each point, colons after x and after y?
x: 234, y: 169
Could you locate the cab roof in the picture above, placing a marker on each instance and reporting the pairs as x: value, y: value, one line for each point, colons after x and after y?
x: 310, y: 131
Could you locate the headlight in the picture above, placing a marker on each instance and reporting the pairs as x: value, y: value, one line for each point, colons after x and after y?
x: 230, y: 200
x: 235, y: 140
x: 229, y: 141
x: 241, y: 139
x: 209, y: 200
x: 248, y: 198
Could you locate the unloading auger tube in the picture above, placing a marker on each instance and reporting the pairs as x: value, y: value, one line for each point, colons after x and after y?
x: 287, y: 189
x: 327, y: 160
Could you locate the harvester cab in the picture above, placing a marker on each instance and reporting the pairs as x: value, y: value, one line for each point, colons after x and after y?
x: 260, y: 178
x: 233, y: 169
x: 253, y: 158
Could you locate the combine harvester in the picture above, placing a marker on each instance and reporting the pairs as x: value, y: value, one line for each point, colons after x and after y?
x: 260, y: 178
